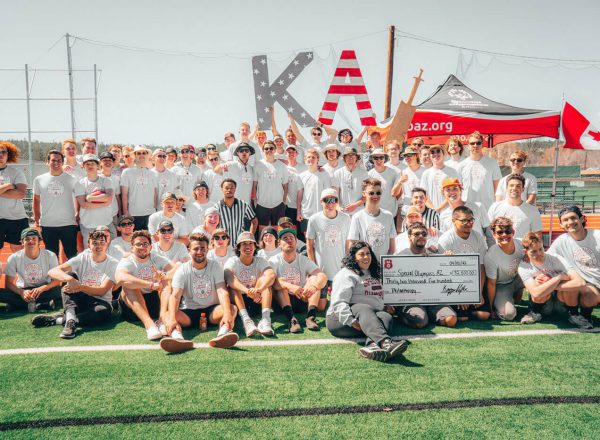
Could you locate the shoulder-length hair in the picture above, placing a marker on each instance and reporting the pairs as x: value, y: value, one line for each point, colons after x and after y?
x: 349, y: 261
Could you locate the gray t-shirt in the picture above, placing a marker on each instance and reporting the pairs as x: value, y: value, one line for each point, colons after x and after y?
x: 475, y: 244
x: 31, y: 273
x: 431, y: 181
x: 296, y: 272
x: 90, y: 273
x: 188, y: 177
x: 503, y: 267
x: 166, y: 181
x: 247, y: 275
x: 313, y: 184
x: 350, y: 185
x: 143, y: 269
x: 526, y: 218
x: 294, y: 184
x: 92, y: 218
x: 243, y: 176
x: 349, y: 288
x: 479, y: 215
x: 118, y: 247
x: 553, y: 266
x: 330, y: 235
x: 141, y: 184
x: 531, y: 186
x: 584, y: 255
x: 12, y: 209
x: 199, y: 285
x: 57, y: 207
x: 375, y: 230
x: 221, y: 260
x: 271, y: 176
x: 214, y: 181
x: 478, y: 177
x: 177, y: 253
x: 179, y: 223
x: 388, y: 178
x: 194, y: 214
x: 413, y: 180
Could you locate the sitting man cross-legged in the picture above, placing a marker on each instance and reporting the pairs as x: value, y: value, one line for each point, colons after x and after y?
x: 87, y: 294
x: 199, y: 287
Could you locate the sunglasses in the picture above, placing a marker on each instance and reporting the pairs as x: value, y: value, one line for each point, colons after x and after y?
x: 436, y: 151
x: 126, y: 156
x: 244, y: 150
x: 201, y: 155
x: 211, y: 148
x: 126, y: 224
x: 507, y: 231
x: 3, y: 152
x: 374, y: 193
x: 465, y: 221
x: 214, y: 159
x: 419, y: 234
x: 220, y: 237
x: 416, y: 144
x: 185, y: 151
x: 268, y: 149
x: 317, y: 134
x: 330, y: 200
x: 378, y: 157
x: 166, y: 230
x: 162, y: 156
x: 145, y: 244
x: 519, y: 160
x: 141, y: 153
x: 476, y: 143
x: 408, y: 155
x: 181, y: 200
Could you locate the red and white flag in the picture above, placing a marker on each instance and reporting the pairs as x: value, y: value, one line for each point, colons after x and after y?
x: 577, y: 130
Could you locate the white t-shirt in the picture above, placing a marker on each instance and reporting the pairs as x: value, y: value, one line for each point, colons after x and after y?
x: 478, y: 177
x: 330, y: 235
x: 263, y: 253
x: 12, y: 209
x: 194, y: 214
x: 221, y: 260
x: 143, y: 270
x: 270, y: 177
x: 479, y: 215
x: 57, y: 207
x: 77, y: 172
x: 503, y: 267
x: 431, y: 181
x: 525, y: 217
x: 531, y: 186
x: 389, y: 177
x: 177, y: 253
x: 179, y: 223
x: 247, y: 275
x: 188, y: 177
x: 199, y: 285
x: 92, y: 218
x: 331, y: 170
x: 294, y: 185
x: 475, y: 244
x: 90, y: 273
x: 116, y: 182
x: 296, y: 272
x: 313, y: 184
x: 31, y: 272
x: 413, y: 181
x: 141, y: 184
x: 375, y: 230
x: 243, y: 176
x: 214, y: 180
x: 584, y: 255
x: 166, y: 181
x: 118, y: 248
x: 350, y: 185
x: 553, y: 266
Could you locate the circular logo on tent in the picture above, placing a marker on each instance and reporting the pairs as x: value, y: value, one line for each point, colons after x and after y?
x: 459, y: 94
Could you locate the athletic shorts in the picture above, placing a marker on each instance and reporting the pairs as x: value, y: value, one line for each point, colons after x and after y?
x: 269, y: 216
x: 10, y: 230
x: 194, y: 314
x: 152, y: 304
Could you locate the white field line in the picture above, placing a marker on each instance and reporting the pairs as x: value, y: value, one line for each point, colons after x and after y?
x: 271, y: 342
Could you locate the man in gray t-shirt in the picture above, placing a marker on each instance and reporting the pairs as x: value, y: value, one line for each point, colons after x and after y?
x: 139, y: 189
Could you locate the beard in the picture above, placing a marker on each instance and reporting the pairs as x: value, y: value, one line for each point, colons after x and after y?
x: 199, y: 259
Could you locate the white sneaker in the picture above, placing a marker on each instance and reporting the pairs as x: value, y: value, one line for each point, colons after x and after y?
x: 264, y: 327
x: 531, y: 318
x: 176, y: 334
x: 154, y: 333
x: 161, y: 327
x: 249, y: 327
x: 226, y: 340
x: 580, y: 321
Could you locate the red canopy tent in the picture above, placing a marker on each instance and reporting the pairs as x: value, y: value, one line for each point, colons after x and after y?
x: 454, y: 110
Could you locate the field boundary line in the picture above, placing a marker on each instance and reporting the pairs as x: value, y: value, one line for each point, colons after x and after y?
x: 299, y: 342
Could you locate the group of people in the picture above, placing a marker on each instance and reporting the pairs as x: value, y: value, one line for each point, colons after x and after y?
x: 174, y: 237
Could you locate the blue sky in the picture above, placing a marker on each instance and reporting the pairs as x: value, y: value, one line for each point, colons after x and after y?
x: 155, y: 98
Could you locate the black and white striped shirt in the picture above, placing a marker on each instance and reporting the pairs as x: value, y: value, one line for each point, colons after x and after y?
x: 235, y: 219
x: 431, y: 219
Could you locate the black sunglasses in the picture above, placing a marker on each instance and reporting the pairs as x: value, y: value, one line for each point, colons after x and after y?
x: 330, y: 200
x: 507, y: 231
x: 125, y: 224
x: 476, y: 143
x: 519, y: 160
x: 166, y: 230
x: 374, y: 193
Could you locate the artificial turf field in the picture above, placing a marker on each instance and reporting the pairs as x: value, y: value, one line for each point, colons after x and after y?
x: 301, y: 391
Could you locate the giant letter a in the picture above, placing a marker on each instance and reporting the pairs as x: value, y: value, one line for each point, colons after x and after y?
x: 348, y: 67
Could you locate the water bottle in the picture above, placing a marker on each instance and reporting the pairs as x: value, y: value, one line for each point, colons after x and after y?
x: 203, y: 322
x: 31, y: 307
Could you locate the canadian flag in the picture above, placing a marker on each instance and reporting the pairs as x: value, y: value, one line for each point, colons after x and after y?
x: 577, y: 130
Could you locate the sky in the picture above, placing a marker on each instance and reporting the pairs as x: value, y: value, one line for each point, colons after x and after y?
x: 161, y: 96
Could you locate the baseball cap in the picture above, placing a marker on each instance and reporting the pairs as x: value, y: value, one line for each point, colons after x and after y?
x: 165, y: 224
x: 140, y: 148
x: 30, y: 232
x: 158, y: 150
x: 284, y: 220
x: 410, y: 150
x: 211, y: 210
x: 350, y: 150
x: 268, y: 230
x: 170, y: 150
x: 291, y: 147
x: 245, y: 237
x: 451, y: 181
x: 329, y: 192
x: 201, y: 184
x: 413, y: 210
x: 285, y: 231
x: 169, y: 196
x: 90, y: 157
x: 125, y: 217
x: 107, y: 155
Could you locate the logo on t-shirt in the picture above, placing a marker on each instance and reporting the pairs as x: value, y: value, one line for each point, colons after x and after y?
x: 513, y: 266
x: 247, y: 277
x: 141, y: 179
x: 373, y: 287
x: 585, y: 257
x: 246, y: 177
x: 376, y: 234
x: 270, y: 174
x: 332, y: 235
x: 201, y: 286
x: 92, y: 278
x: 145, y: 273
x: 33, y: 274
x: 292, y: 275
x: 163, y: 182
x: 55, y: 189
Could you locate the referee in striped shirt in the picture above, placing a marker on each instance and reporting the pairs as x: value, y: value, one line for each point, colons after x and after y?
x: 431, y: 218
x: 236, y: 215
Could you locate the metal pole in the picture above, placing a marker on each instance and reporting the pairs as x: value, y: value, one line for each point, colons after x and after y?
x: 553, y: 194
x: 95, y: 103
x: 389, y: 72
x: 70, y: 67
x: 29, y: 152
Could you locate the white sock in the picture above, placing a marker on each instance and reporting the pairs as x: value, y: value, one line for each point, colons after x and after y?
x: 70, y: 314
x: 244, y: 314
x: 266, y: 314
x: 60, y: 320
x: 223, y: 330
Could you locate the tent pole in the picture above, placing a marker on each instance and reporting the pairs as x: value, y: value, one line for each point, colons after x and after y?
x: 389, y: 73
x: 553, y: 194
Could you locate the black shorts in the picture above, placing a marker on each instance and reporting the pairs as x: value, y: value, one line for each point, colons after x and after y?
x: 485, y: 307
x: 269, y: 216
x: 152, y: 304
x: 10, y: 230
x: 194, y: 314
x: 252, y: 307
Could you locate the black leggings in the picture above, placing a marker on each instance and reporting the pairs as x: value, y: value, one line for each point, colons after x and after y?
x: 89, y: 310
x: 67, y: 235
x: 17, y: 303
